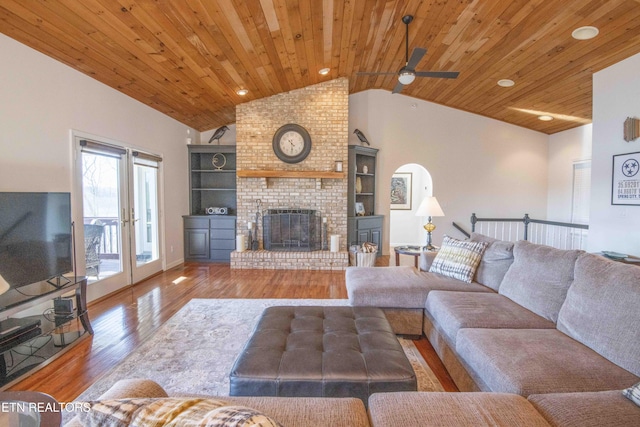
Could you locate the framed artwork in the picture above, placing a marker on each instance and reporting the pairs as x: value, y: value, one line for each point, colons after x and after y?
x: 625, y: 188
x: 401, y: 191
x: 359, y: 209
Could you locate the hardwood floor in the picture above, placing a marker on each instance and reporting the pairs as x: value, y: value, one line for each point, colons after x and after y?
x: 123, y: 320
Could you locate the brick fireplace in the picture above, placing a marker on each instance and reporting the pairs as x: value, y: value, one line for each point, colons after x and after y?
x: 323, y: 109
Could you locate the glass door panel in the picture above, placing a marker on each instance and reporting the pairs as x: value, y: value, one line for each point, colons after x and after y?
x: 145, y: 218
x: 101, y: 200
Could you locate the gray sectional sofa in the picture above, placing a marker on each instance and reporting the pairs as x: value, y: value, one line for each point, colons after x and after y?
x: 414, y: 409
x: 549, y: 336
x: 535, y: 320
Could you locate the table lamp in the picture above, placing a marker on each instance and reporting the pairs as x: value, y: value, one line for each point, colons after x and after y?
x: 429, y: 208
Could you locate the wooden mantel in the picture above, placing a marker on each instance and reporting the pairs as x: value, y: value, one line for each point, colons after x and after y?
x: 289, y: 174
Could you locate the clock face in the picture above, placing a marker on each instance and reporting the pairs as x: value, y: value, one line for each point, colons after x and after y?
x: 292, y: 143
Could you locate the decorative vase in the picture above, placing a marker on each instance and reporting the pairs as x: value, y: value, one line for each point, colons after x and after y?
x: 358, y: 185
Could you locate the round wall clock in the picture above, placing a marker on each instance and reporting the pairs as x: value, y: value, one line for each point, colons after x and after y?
x: 292, y: 143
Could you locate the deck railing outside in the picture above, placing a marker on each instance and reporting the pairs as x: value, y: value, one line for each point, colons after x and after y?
x: 110, y: 244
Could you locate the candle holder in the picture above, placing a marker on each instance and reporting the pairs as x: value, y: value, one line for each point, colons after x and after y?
x: 250, y: 245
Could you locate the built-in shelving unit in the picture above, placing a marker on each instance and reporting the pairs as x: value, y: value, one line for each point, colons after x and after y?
x: 212, y: 184
x: 212, y: 178
x: 362, y: 189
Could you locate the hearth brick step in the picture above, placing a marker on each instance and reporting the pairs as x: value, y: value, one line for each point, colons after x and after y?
x: 272, y: 260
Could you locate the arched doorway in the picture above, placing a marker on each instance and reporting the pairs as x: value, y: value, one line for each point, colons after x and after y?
x: 405, y: 228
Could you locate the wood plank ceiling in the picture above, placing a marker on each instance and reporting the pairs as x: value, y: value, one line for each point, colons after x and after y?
x: 188, y: 58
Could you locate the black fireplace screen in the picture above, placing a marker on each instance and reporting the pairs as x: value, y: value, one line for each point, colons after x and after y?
x: 292, y: 230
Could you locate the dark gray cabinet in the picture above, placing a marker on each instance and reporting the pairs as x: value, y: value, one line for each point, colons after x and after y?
x: 209, y: 238
x: 365, y: 229
x: 196, y: 238
x: 361, y: 196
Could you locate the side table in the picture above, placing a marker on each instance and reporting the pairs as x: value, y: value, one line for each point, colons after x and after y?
x: 413, y: 251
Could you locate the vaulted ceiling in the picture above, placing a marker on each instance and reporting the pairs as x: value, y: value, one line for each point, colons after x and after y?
x: 187, y: 58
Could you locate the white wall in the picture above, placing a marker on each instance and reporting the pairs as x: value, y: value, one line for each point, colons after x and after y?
x: 565, y: 149
x: 477, y: 164
x: 616, y: 95
x: 405, y: 228
x: 41, y: 100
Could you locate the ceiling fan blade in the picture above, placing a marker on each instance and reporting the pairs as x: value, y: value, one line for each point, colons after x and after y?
x: 416, y: 56
x: 398, y: 88
x: 376, y: 72
x: 440, y: 74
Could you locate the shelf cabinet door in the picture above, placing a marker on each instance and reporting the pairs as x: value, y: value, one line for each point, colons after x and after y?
x: 376, y: 237
x: 364, y: 236
x: 196, y: 243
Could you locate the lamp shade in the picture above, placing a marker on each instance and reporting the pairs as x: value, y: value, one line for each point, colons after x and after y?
x: 429, y: 207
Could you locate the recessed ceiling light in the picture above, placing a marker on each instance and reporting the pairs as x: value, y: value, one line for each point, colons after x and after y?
x: 545, y: 118
x: 324, y: 71
x: 242, y: 92
x: 506, y: 83
x: 585, y: 33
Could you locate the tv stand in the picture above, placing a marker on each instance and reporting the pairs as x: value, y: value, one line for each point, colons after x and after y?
x: 59, y: 281
x: 32, y: 333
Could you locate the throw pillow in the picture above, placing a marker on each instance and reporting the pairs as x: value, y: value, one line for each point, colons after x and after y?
x: 178, y: 412
x: 633, y: 393
x: 539, y: 277
x: 458, y: 259
x: 495, y: 262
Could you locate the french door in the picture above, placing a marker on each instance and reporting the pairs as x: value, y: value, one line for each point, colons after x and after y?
x: 119, y: 203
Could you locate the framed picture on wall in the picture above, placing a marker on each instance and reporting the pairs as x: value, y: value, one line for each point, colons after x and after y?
x: 626, y: 179
x: 401, y: 191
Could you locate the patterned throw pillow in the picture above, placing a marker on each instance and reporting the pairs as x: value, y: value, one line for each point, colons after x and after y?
x: 458, y: 259
x: 633, y: 393
x: 178, y: 412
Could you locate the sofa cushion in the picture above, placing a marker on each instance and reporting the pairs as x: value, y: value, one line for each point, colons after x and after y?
x: 452, y: 409
x: 594, y: 409
x: 496, y: 260
x: 534, y: 361
x: 398, y: 287
x: 601, y: 309
x: 452, y: 311
x: 458, y: 259
x: 298, y: 411
x: 172, y: 412
x: 539, y: 277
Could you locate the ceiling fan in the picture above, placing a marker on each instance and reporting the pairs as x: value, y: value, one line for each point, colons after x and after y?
x: 407, y: 74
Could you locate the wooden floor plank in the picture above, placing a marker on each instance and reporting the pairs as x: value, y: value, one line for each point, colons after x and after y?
x: 125, y: 319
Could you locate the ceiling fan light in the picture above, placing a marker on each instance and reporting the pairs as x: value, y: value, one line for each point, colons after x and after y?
x: 406, y: 77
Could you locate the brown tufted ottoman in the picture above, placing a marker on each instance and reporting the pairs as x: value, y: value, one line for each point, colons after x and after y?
x: 322, y: 351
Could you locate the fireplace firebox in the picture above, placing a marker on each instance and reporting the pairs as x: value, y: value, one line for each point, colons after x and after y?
x: 295, y: 230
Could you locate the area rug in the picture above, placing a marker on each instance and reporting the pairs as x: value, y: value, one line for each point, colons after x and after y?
x: 193, y: 352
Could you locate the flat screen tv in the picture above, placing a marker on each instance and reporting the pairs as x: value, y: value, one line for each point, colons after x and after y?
x: 35, y: 237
